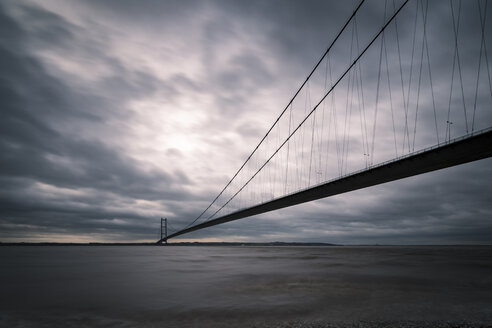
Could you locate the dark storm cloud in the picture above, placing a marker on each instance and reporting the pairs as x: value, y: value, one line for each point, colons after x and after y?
x: 294, y: 28
x: 66, y: 169
x: 35, y: 150
x: 34, y: 103
x: 235, y: 76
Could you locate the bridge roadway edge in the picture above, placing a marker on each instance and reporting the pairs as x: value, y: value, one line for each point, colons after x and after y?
x: 460, y: 151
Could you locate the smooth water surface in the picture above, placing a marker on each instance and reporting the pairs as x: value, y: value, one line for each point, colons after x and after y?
x: 177, y: 286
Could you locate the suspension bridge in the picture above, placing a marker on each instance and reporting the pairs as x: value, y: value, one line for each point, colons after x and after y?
x: 408, y: 95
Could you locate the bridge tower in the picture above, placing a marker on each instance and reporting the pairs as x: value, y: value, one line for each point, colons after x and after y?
x: 164, y: 230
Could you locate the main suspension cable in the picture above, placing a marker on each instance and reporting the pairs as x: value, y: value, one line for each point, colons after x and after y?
x: 315, y: 107
x: 283, y: 111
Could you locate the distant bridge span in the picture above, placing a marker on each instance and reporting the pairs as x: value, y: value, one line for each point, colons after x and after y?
x: 458, y: 151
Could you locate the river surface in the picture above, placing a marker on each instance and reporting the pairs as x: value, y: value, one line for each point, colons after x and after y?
x: 187, y: 286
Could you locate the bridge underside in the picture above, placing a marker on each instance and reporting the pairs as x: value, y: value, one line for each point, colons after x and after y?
x: 464, y: 150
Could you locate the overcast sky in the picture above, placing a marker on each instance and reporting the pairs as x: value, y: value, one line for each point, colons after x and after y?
x: 117, y: 113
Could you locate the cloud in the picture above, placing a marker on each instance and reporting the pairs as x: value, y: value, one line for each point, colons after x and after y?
x: 114, y: 115
x: 45, y: 150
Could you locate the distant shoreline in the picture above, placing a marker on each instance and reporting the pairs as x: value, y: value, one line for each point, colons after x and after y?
x: 169, y: 244
x: 233, y: 244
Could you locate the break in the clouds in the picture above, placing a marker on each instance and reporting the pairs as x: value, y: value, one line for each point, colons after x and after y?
x: 117, y: 113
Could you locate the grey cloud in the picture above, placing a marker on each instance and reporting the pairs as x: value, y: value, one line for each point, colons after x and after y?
x: 47, y: 27
x: 153, y: 13
x: 250, y: 130
x: 254, y: 69
x: 294, y: 28
x: 35, y: 105
x: 44, y: 109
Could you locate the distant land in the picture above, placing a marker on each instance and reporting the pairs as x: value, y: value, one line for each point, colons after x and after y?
x: 276, y: 243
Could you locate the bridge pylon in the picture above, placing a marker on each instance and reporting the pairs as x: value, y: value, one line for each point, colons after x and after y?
x: 163, y: 238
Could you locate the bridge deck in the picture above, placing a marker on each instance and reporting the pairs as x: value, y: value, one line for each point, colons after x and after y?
x: 458, y: 151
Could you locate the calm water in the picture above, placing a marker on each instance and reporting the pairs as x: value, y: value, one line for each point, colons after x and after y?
x: 241, y: 286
